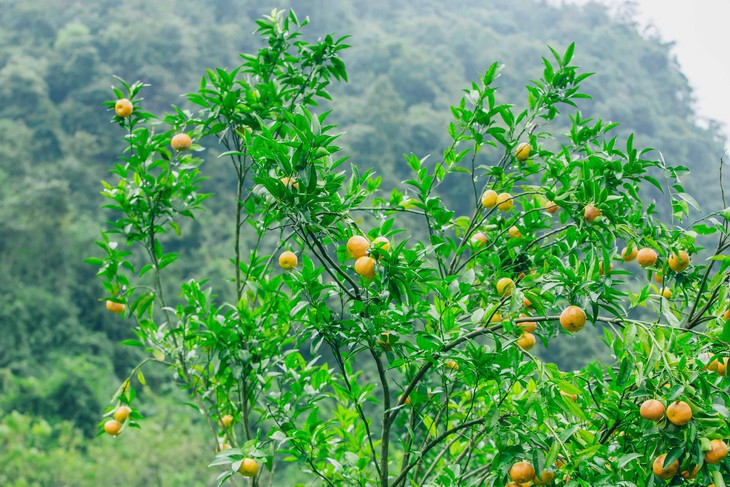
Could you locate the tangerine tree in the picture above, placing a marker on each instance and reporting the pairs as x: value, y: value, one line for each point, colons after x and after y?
x: 381, y: 338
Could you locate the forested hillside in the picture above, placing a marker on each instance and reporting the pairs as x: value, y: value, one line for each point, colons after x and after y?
x: 60, y: 358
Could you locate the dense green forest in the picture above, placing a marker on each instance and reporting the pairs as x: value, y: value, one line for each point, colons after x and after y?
x: 60, y: 358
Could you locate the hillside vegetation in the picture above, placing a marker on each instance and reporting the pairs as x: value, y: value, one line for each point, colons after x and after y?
x: 60, y: 359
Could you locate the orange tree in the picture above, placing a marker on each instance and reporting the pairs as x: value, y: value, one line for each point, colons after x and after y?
x: 383, y: 339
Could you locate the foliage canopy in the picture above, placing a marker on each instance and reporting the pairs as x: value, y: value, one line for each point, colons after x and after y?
x: 411, y: 367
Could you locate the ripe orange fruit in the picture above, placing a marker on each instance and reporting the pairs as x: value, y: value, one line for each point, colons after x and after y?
x: 679, y: 413
x: 381, y: 243
x: 514, y: 232
x: 544, y: 478
x: 496, y: 317
x: 357, y: 246
x: 523, y: 151
x: 551, y: 207
x: 573, y: 318
x: 522, y: 472
x: 526, y: 303
x: 288, y: 260
x: 716, y: 453
x: 505, y: 202
x: 679, y: 262
x: 726, y: 314
x: 365, y: 266
x: 115, y: 307
x: 658, y: 277
x: 505, y: 286
x: 600, y: 268
x: 527, y: 326
x: 489, y: 198
x: 590, y: 213
x: 665, y: 473
x: 526, y: 341
x: 249, y: 467
x: 227, y: 421
x: 181, y: 142
x: 718, y: 366
x: 123, y: 107
x: 479, y: 239
x: 451, y: 364
x: 666, y: 293
x: 646, y: 257
x: 384, y: 342
x: 112, y: 427
x: 652, y: 410
x: 289, y: 182
x: 629, y: 256
x: 690, y: 475
x: 122, y: 413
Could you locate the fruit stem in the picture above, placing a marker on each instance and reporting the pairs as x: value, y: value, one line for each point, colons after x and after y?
x: 182, y: 362
x: 237, y: 242
x: 691, y: 318
x: 387, y: 422
x: 358, y: 406
x: 321, y: 252
x: 402, y: 476
x: 409, y: 441
x: 438, y: 458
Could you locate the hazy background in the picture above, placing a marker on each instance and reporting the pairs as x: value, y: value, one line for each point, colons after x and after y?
x: 60, y: 358
x: 698, y: 31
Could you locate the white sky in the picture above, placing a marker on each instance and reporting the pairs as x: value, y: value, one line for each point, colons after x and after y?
x: 701, y: 32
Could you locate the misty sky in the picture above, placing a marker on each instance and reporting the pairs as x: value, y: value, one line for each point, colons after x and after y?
x: 698, y: 29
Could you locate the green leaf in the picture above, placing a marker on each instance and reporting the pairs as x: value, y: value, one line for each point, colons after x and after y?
x: 552, y: 454
x: 567, y: 387
x: 624, y: 372
x: 427, y: 342
x: 673, y: 455
x: 725, y: 335
x: 568, y: 56
x: 623, y: 460
x: 725, y: 213
x: 430, y: 425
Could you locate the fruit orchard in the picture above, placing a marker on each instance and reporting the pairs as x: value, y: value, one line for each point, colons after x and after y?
x: 380, y: 339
